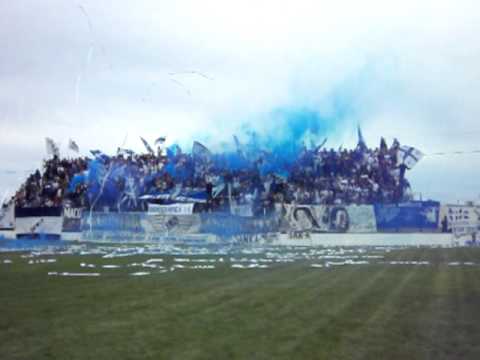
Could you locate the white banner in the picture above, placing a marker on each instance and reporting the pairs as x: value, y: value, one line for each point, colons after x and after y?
x: 460, y: 219
x: 159, y: 224
x: 173, y: 209
x: 7, y: 216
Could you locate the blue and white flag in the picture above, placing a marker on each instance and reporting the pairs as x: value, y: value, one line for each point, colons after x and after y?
x: 409, y: 156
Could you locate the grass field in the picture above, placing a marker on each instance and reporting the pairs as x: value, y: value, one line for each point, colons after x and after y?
x: 376, y: 311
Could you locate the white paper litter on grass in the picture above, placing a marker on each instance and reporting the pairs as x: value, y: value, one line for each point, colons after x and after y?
x: 87, y: 265
x: 140, y: 273
x: 151, y: 266
x: 353, y: 262
x: 111, y: 266
x: 124, y: 252
x: 335, y: 263
x: 409, y: 262
x: 317, y: 265
x: 202, y: 267
x: 250, y: 266
x: 42, y: 261
x: 149, y: 261
x: 7, y: 261
x: 54, y: 273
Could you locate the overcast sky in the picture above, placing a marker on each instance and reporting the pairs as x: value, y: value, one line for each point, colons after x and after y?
x: 106, y: 72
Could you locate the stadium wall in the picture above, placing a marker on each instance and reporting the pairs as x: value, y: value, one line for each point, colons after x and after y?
x: 180, y: 220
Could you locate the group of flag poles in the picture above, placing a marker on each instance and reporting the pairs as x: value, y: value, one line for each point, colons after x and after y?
x: 53, y: 148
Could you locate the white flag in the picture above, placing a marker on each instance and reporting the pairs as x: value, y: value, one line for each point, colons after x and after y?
x: 72, y: 145
x: 52, y: 148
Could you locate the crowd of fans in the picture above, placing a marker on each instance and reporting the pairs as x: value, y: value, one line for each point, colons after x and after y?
x: 48, y: 188
x: 315, y: 176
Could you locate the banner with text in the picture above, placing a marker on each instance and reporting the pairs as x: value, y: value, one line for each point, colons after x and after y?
x: 72, y: 219
x: 460, y: 219
x: 172, y: 209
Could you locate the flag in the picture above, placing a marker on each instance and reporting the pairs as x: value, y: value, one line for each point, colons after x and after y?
x: 122, y: 151
x: 238, y: 146
x: 409, y: 156
x: 361, y: 141
x: 383, y: 144
x: 395, y: 144
x: 52, y: 148
x: 321, y: 145
x: 147, y: 146
x: 201, y: 152
x: 160, y: 140
x: 173, y: 151
x: 98, y: 154
x: 72, y: 145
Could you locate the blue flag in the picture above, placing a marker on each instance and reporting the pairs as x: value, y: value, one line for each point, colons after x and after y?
x: 201, y: 152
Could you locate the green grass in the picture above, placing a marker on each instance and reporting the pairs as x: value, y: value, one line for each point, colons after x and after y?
x: 289, y: 311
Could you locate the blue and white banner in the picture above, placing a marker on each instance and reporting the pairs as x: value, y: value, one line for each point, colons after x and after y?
x: 411, y: 216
